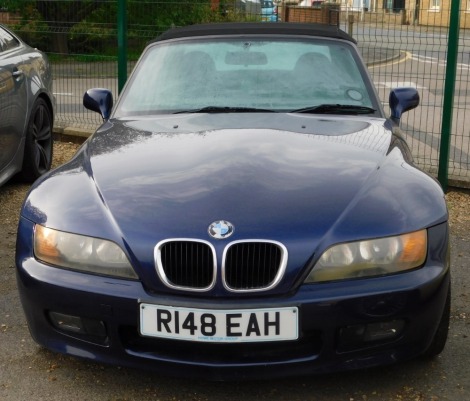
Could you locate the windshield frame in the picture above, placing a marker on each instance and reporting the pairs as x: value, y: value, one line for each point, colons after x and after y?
x: 369, y: 87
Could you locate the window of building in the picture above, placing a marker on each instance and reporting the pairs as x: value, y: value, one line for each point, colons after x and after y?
x: 435, y: 5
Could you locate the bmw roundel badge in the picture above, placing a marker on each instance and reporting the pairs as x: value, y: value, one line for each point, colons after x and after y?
x: 220, y: 229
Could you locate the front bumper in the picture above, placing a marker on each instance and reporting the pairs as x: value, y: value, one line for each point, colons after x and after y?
x: 332, y: 317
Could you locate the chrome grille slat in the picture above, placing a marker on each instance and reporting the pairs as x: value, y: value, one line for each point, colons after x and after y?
x: 186, y: 264
x: 247, y: 265
x: 253, y: 265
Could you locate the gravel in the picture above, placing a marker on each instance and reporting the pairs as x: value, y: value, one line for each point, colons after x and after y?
x: 13, y: 193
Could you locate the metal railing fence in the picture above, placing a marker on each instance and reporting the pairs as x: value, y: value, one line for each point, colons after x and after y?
x: 401, y: 47
x: 420, y: 59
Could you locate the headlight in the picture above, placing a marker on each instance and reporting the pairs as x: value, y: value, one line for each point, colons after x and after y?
x: 78, y: 252
x: 375, y: 257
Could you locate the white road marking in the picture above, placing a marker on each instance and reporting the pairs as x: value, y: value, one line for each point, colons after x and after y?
x: 437, y: 61
x: 399, y: 84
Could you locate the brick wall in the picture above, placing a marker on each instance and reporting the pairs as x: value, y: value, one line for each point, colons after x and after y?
x: 328, y: 14
x: 440, y: 16
x: 7, y: 18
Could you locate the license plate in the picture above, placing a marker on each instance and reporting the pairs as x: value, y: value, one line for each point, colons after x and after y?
x: 236, y: 325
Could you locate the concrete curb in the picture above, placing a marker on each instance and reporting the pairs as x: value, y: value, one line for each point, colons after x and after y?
x: 72, y: 134
x: 398, y: 56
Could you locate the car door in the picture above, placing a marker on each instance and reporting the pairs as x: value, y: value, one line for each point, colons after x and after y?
x: 13, y: 97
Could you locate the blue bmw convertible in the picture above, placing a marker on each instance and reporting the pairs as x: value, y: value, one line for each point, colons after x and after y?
x: 246, y: 210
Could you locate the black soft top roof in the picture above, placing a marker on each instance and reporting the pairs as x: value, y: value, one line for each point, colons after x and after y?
x: 250, y: 28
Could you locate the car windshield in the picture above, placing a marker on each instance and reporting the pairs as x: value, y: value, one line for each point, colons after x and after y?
x: 250, y: 73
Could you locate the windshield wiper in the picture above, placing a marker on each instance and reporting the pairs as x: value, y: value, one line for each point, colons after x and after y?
x: 335, y: 109
x: 226, y: 109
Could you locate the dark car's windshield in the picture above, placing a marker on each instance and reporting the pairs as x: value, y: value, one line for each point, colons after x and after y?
x: 255, y: 72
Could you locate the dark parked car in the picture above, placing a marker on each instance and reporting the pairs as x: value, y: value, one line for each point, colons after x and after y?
x: 246, y: 210
x: 26, y: 109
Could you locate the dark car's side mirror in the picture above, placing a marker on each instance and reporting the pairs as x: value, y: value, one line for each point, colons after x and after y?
x: 402, y: 100
x: 99, y: 100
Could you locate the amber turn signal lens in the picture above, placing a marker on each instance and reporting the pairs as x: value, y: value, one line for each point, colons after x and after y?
x: 414, y: 247
x: 45, y: 244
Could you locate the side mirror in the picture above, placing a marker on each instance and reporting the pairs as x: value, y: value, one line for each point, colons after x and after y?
x: 402, y: 100
x: 99, y: 100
